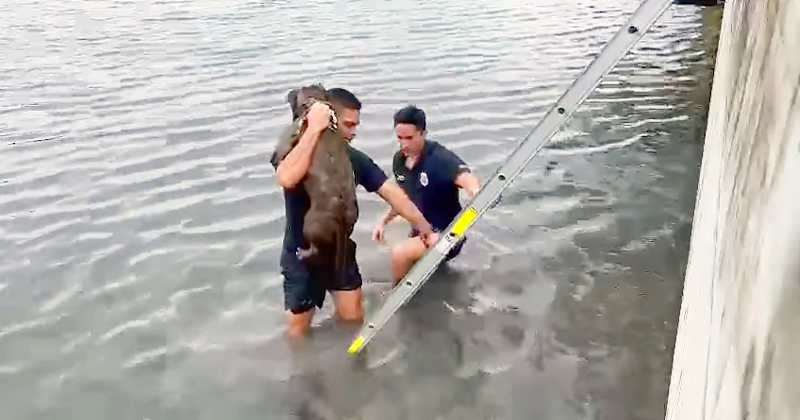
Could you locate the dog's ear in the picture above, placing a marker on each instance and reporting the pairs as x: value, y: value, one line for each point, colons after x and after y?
x: 321, y: 89
x: 291, y: 98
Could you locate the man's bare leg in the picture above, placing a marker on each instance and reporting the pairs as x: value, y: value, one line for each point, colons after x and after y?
x: 348, y: 305
x: 298, y: 325
x: 403, y: 257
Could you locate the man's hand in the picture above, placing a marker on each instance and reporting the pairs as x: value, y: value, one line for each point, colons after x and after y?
x: 318, y: 117
x: 430, y: 239
x: 399, y: 201
x: 377, y: 232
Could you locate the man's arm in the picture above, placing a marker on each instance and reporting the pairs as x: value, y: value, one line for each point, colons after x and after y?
x: 459, y: 172
x: 404, y: 207
x: 397, y: 164
x: 469, y: 182
x: 390, y: 215
x: 291, y: 169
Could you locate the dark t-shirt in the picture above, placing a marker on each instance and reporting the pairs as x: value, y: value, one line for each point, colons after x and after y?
x: 431, y: 183
x: 296, y: 201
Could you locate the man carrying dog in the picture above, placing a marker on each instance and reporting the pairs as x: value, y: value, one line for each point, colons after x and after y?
x: 304, y: 285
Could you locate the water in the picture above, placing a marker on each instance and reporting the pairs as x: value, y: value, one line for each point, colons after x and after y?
x: 140, y: 221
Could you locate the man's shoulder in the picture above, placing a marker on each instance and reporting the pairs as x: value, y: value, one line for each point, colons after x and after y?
x: 398, y: 155
x: 359, y: 159
x: 443, y: 157
x: 437, y: 148
x: 439, y: 151
x: 356, y: 156
x: 398, y: 161
x: 367, y: 172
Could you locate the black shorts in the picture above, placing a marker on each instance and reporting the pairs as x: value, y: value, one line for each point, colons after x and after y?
x: 305, y: 285
x: 453, y: 252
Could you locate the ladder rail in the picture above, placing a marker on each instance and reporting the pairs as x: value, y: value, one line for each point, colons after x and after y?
x: 623, y: 41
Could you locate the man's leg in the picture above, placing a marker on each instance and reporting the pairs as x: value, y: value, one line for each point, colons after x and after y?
x: 301, y: 296
x: 403, y: 257
x: 346, y: 290
x: 348, y: 305
x: 407, y: 253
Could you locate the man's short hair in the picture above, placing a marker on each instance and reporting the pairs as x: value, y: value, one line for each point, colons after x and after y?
x: 411, y: 115
x: 344, y: 98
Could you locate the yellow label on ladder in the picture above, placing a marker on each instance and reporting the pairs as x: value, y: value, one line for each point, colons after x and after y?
x: 464, y: 221
x: 355, y: 346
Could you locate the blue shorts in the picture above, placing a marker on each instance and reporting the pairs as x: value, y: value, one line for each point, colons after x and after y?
x: 305, y: 285
x: 453, y: 251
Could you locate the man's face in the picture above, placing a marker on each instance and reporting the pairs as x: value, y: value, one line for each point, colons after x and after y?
x: 411, y: 139
x: 349, y: 119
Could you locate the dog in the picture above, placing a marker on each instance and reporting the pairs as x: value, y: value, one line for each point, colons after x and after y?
x: 329, y: 183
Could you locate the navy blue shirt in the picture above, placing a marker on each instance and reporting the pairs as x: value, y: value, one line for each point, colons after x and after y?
x: 296, y: 201
x: 431, y: 182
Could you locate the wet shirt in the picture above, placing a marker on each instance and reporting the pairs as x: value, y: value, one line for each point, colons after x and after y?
x: 296, y: 200
x: 431, y: 182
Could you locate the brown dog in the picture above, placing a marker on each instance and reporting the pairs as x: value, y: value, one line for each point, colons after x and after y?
x: 330, y: 184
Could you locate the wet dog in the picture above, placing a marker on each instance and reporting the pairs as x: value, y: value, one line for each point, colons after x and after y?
x: 329, y: 183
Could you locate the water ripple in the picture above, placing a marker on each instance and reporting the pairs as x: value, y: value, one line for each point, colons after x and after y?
x: 139, y: 216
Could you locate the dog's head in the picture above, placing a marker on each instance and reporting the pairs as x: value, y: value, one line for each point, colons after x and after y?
x: 301, y: 99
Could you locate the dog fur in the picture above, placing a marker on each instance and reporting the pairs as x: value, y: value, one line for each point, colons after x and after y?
x: 329, y: 183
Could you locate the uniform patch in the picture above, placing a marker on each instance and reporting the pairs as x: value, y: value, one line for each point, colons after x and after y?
x: 423, y: 179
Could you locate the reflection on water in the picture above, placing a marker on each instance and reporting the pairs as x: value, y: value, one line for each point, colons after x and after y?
x: 140, y: 222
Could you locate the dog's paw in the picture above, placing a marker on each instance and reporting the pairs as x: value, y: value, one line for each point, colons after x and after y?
x: 303, y: 254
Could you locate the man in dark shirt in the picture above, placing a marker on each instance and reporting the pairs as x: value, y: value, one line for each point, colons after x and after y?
x: 431, y: 175
x: 305, y: 286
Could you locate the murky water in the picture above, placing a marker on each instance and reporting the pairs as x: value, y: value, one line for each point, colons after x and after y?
x: 140, y: 221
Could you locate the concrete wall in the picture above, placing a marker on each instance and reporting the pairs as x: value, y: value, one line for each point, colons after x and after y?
x: 737, y: 354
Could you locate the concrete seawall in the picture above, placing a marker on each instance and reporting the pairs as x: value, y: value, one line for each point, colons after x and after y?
x: 737, y: 354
